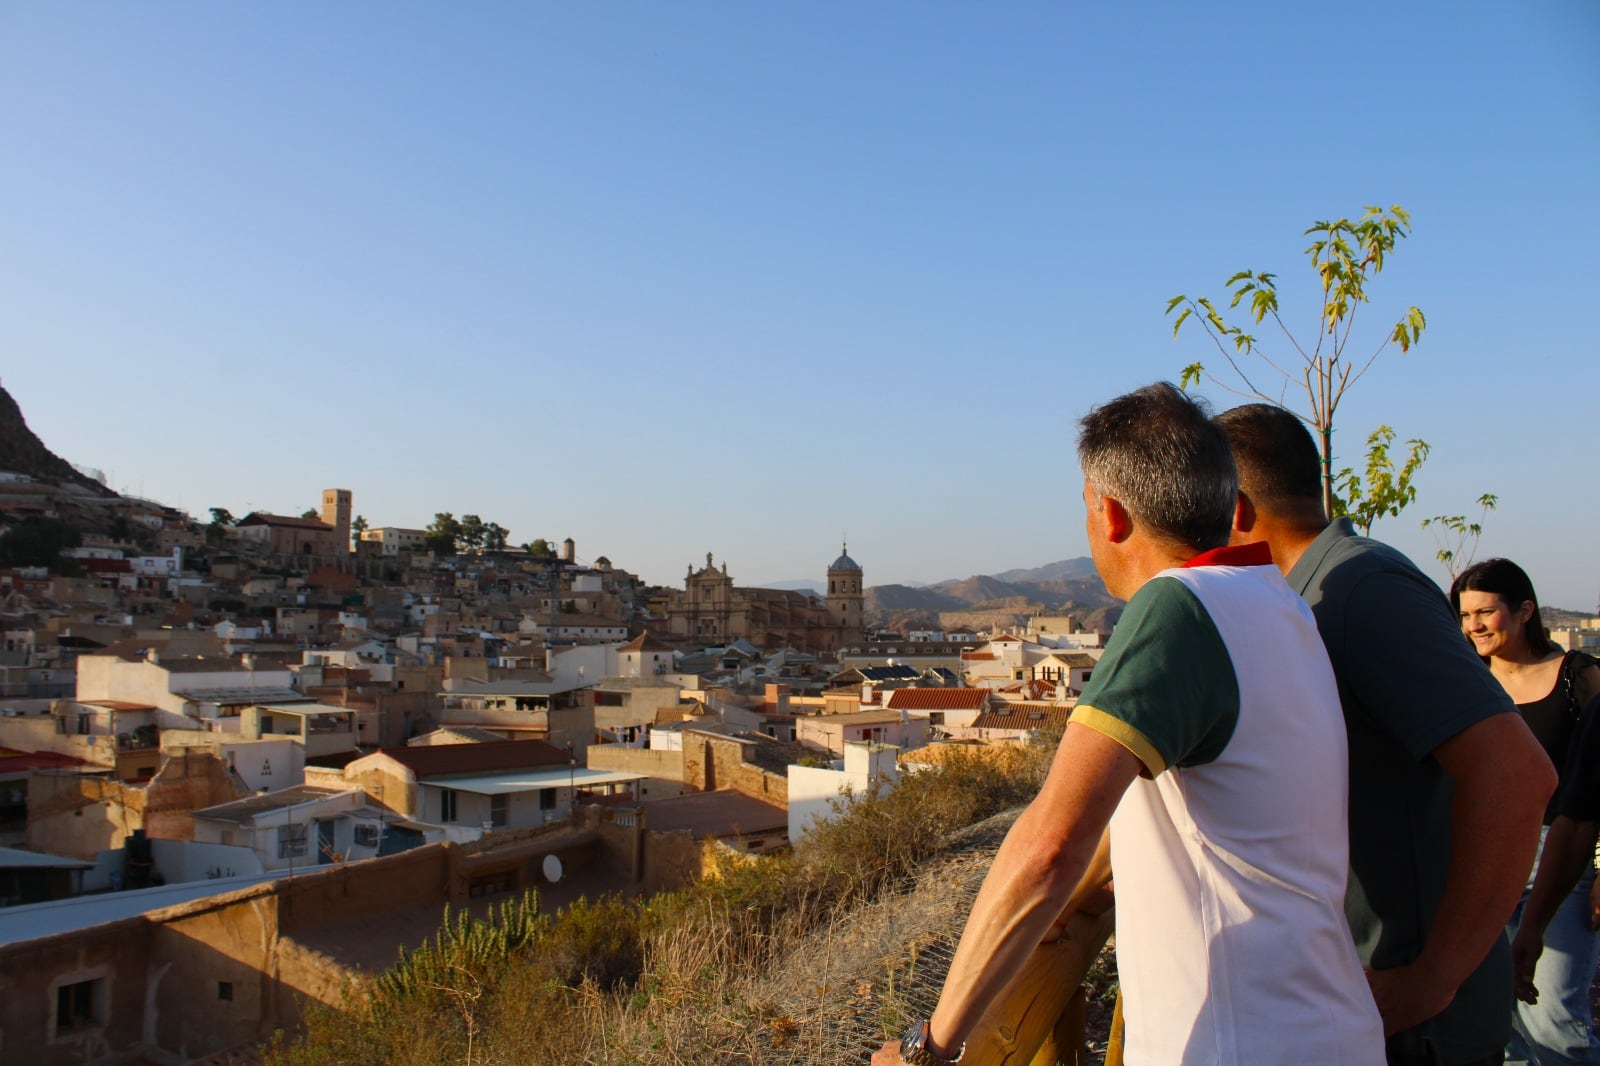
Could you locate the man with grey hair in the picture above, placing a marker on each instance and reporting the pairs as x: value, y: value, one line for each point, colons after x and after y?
x: 1210, y: 740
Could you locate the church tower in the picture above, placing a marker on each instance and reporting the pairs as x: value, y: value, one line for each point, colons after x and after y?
x: 846, y: 596
x: 336, y: 507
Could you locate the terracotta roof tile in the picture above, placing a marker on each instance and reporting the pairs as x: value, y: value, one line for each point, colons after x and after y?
x: 936, y: 699
x: 256, y: 518
x: 1036, y: 718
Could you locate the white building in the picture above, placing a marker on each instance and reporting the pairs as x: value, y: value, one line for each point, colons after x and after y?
x: 814, y: 790
x: 396, y: 540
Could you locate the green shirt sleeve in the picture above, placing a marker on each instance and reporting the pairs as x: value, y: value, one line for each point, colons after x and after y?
x: 1165, y: 688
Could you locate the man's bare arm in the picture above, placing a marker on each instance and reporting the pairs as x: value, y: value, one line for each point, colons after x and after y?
x: 1502, y: 782
x: 1568, y: 852
x: 1034, y: 873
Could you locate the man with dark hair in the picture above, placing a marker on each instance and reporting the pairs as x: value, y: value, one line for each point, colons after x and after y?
x: 1211, y: 728
x: 1447, y: 785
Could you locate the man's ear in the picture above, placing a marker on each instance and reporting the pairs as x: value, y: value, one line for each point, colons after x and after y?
x: 1244, y: 515
x: 1119, y: 523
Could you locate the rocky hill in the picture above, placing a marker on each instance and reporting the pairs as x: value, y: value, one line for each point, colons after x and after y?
x: 1070, y: 586
x: 21, y: 452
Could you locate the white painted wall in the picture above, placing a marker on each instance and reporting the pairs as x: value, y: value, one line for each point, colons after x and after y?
x: 813, y: 790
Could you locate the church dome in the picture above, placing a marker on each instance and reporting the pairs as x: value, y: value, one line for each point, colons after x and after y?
x: 844, y: 562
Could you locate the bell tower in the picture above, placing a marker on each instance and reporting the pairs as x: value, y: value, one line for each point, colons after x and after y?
x: 846, y: 596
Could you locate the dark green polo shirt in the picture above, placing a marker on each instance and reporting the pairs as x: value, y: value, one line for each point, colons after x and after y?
x: 1408, y: 681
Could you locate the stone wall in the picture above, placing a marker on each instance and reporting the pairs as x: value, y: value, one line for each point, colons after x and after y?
x: 711, y: 762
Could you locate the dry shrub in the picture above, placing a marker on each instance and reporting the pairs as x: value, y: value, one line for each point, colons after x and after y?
x: 671, y: 979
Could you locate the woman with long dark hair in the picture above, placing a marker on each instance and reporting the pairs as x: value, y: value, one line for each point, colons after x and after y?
x: 1554, y: 945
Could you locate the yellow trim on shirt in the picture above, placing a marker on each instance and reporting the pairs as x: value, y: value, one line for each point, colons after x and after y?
x: 1110, y: 725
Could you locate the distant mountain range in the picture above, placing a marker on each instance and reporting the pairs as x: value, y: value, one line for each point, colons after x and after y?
x: 1004, y: 600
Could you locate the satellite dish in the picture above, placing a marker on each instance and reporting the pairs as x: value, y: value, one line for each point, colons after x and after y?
x: 552, y: 868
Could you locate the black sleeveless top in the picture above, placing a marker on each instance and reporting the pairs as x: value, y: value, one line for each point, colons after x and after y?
x: 1552, y: 719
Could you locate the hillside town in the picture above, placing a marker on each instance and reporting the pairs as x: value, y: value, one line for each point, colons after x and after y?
x: 252, y: 756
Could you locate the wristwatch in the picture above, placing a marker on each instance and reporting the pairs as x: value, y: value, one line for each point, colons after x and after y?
x: 914, y: 1052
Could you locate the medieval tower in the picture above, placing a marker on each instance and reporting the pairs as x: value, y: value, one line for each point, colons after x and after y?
x: 336, y: 506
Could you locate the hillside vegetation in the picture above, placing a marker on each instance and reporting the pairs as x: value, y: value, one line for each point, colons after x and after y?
x: 683, y: 977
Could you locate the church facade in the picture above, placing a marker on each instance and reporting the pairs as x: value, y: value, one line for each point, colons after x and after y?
x: 711, y: 609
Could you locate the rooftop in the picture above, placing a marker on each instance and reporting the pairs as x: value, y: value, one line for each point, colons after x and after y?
x: 534, y: 780
x: 489, y: 757
x: 246, y: 810
x: 723, y: 813
x: 936, y: 699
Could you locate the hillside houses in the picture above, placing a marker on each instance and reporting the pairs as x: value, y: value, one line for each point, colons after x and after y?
x: 261, y: 701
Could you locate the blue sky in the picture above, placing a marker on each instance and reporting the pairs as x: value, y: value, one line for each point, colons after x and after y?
x: 749, y: 278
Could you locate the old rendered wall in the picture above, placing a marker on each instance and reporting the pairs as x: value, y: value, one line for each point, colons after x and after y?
x: 42, y: 732
x: 213, y: 974
x: 189, y: 780
x: 663, y: 770
x: 77, y: 816
x: 356, y: 890
x: 390, y: 787
x: 31, y: 973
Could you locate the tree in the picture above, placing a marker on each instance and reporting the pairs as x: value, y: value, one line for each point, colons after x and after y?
x: 1457, y: 538
x: 309, y: 512
x: 472, y: 531
x: 494, y: 537
x: 538, y: 547
x: 1385, y: 492
x: 1345, y: 256
x: 221, y: 516
x: 38, y: 541
x: 358, y: 527
x: 442, y: 534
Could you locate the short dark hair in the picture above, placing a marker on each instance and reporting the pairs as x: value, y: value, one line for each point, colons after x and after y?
x: 1504, y: 578
x: 1156, y: 451
x: 1278, y: 462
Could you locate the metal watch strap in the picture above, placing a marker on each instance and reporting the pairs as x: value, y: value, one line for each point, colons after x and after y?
x: 914, y: 1052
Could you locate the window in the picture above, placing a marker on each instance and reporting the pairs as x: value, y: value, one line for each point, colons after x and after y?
x: 447, y: 805
x: 85, y: 724
x: 366, y: 835
x: 499, y: 810
x: 291, y: 841
x: 225, y: 991
x: 80, y: 1006
x: 547, y: 799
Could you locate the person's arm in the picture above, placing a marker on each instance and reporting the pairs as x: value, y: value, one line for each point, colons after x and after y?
x: 1502, y: 782
x: 1034, y: 873
x: 1094, y: 888
x: 1568, y: 852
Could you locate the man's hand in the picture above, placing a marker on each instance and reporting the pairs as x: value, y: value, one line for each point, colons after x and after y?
x: 888, y: 1055
x: 1526, y: 947
x: 1407, y: 996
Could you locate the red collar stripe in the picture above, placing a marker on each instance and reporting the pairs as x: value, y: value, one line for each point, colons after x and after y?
x: 1234, y: 555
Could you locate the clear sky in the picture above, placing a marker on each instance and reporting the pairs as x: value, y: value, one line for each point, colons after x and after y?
x: 749, y: 278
